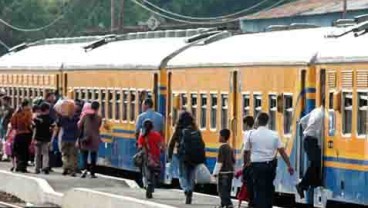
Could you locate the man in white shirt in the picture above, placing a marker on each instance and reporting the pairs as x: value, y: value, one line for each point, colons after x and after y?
x: 263, y: 145
x: 312, y: 124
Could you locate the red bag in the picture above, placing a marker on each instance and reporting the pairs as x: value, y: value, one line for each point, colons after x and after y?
x: 8, y: 144
x: 243, y: 194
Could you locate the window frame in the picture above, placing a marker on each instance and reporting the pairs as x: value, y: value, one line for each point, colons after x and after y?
x: 132, y: 92
x: 288, y: 110
x: 256, y: 107
x: 272, y: 109
x: 203, y: 110
x: 117, y: 105
x: 125, y: 105
x: 346, y: 135
x: 364, y: 135
x: 214, y: 107
x: 192, y: 96
x: 331, y: 111
x: 103, y: 101
x: 110, y: 101
x: 224, y: 107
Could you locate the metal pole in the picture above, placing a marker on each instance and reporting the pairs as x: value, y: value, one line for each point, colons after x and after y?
x: 121, y: 16
x: 345, y: 5
x: 112, y: 11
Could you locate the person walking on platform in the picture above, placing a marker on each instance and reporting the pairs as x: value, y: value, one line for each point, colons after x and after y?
x: 262, y: 147
x: 90, y: 140
x: 312, y: 124
x: 224, y: 169
x: 68, y: 126
x: 158, y: 125
x: 43, y: 125
x: 191, y: 152
x: 153, y: 144
x: 248, y: 123
x: 21, y: 121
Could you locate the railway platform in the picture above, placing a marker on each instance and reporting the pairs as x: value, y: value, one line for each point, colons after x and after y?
x: 104, y: 191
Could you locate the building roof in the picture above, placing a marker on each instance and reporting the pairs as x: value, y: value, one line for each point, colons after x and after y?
x: 308, y: 7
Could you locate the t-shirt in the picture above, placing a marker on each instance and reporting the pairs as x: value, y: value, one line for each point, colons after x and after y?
x: 226, y: 157
x: 70, y: 128
x: 155, y: 140
x: 43, y: 125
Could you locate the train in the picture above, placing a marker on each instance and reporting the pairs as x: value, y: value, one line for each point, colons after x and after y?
x: 219, y: 77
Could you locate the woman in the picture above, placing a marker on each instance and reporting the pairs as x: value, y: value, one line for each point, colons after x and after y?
x: 153, y: 145
x: 21, y: 122
x: 90, y: 138
x: 186, y: 171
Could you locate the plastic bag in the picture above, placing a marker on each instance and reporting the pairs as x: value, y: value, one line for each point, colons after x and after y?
x: 202, y: 174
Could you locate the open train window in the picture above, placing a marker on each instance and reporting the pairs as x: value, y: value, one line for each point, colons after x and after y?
x: 362, y: 113
x: 203, y: 115
x: 193, y: 104
x: 125, y: 105
x: 84, y: 95
x: 90, y: 95
x: 142, y: 96
x: 31, y: 93
x: 103, y: 103
x: 214, y: 111
x: 347, y: 114
x: 331, y: 116
x: 288, y: 113
x: 96, y: 95
x: 117, y: 104
x: 184, y: 101
x: 257, y: 99
x: 272, y: 108
x: 224, y: 110
x: 77, y: 94
x: 110, y: 99
x: 133, y: 102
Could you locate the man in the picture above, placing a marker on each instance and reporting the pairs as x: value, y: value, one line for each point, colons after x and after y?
x: 248, y: 123
x: 312, y: 124
x: 262, y: 147
x: 157, y: 120
x: 148, y: 113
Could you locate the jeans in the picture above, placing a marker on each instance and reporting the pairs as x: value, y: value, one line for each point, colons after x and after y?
x: 69, y: 156
x: 264, y: 174
x: 186, y: 175
x: 313, y: 151
x: 224, y: 189
x: 21, y: 150
x: 85, y: 154
x: 42, y: 151
x: 150, y: 178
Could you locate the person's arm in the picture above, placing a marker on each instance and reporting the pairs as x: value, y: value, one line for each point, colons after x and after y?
x: 285, y: 157
x: 246, y: 154
x: 174, y: 139
x: 219, y: 162
x: 138, y: 126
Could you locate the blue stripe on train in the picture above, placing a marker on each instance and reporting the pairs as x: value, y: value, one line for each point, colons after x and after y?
x: 346, y: 160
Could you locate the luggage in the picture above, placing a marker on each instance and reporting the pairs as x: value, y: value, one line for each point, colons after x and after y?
x: 192, y: 147
x: 202, y: 174
x: 65, y: 107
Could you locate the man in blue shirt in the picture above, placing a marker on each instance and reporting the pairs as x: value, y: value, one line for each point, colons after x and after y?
x: 148, y: 113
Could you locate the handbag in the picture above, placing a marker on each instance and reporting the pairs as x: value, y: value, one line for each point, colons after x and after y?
x: 202, y: 174
x: 138, y: 158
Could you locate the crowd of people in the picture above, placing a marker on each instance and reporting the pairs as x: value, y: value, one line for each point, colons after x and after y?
x: 32, y: 129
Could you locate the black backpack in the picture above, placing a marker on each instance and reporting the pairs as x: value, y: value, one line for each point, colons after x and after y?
x: 192, y: 148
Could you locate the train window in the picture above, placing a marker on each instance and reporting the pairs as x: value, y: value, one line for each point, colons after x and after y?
x: 246, y: 107
x: 90, y: 95
x: 288, y: 113
x: 117, y: 104
x: 133, y: 102
x: 224, y: 111
x: 257, y: 99
x: 125, y: 106
x: 96, y: 96
x: 103, y: 103
x: 142, y: 96
x: 184, y: 101
x: 347, y: 114
x: 331, y: 116
x: 203, y: 121
x: 31, y: 90
x: 272, y: 106
x: 213, y: 111
x: 110, y: 99
x: 84, y: 95
x: 194, y: 103
x: 362, y: 113
x: 77, y: 94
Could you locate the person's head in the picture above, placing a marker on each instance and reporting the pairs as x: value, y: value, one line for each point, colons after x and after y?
x: 50, y: 97
x: 147, y: 104
x: 262, y: 119
x: 147, y: 127
x: 95, y: 106
x: 25, y: 103
x: 6, y: 100
x: 224, y: 135
x: 185, y: 120
x: 45, y: 108
x: 248, y: 122
x: 36, y: 109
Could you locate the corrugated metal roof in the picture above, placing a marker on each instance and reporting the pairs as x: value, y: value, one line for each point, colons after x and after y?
x: 309, y: 7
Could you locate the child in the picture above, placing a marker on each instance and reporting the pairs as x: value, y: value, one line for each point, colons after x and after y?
x: 224, y: 169
x: 243, y: 194
x: 42, y: 138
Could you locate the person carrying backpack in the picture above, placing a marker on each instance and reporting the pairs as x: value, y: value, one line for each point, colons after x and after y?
x: 190, y: 150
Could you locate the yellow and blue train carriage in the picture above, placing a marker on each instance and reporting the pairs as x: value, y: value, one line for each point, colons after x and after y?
x: 343, y: 65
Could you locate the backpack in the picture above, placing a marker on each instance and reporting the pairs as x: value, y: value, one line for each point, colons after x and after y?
x: 192, y: 148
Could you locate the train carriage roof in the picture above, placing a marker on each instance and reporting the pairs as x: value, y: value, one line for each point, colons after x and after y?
x: 128, y: 54
x: 344, y: 50
x: 48, y: 54
x: 290, y: 47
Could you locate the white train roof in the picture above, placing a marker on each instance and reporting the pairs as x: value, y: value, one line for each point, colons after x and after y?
x: 128, y: 54
x: 290, y: 47
x: 344, y: 49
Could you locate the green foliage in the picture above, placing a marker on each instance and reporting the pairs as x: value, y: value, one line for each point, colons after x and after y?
x: 90, y: 17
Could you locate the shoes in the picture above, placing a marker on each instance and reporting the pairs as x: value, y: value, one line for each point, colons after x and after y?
x: 46, y: 171
x: 188, y: 199
x: 37, y: 171
x: 84, y: 174
x: 93, y: 175
x: 300, y: 191
x: 12, y: 169
x: 65, y: 172
x: 73, y: 174
x: 149, y: 195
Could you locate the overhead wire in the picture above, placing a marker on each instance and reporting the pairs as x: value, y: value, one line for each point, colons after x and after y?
x: 5, y: 46
x: 204, y: 18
